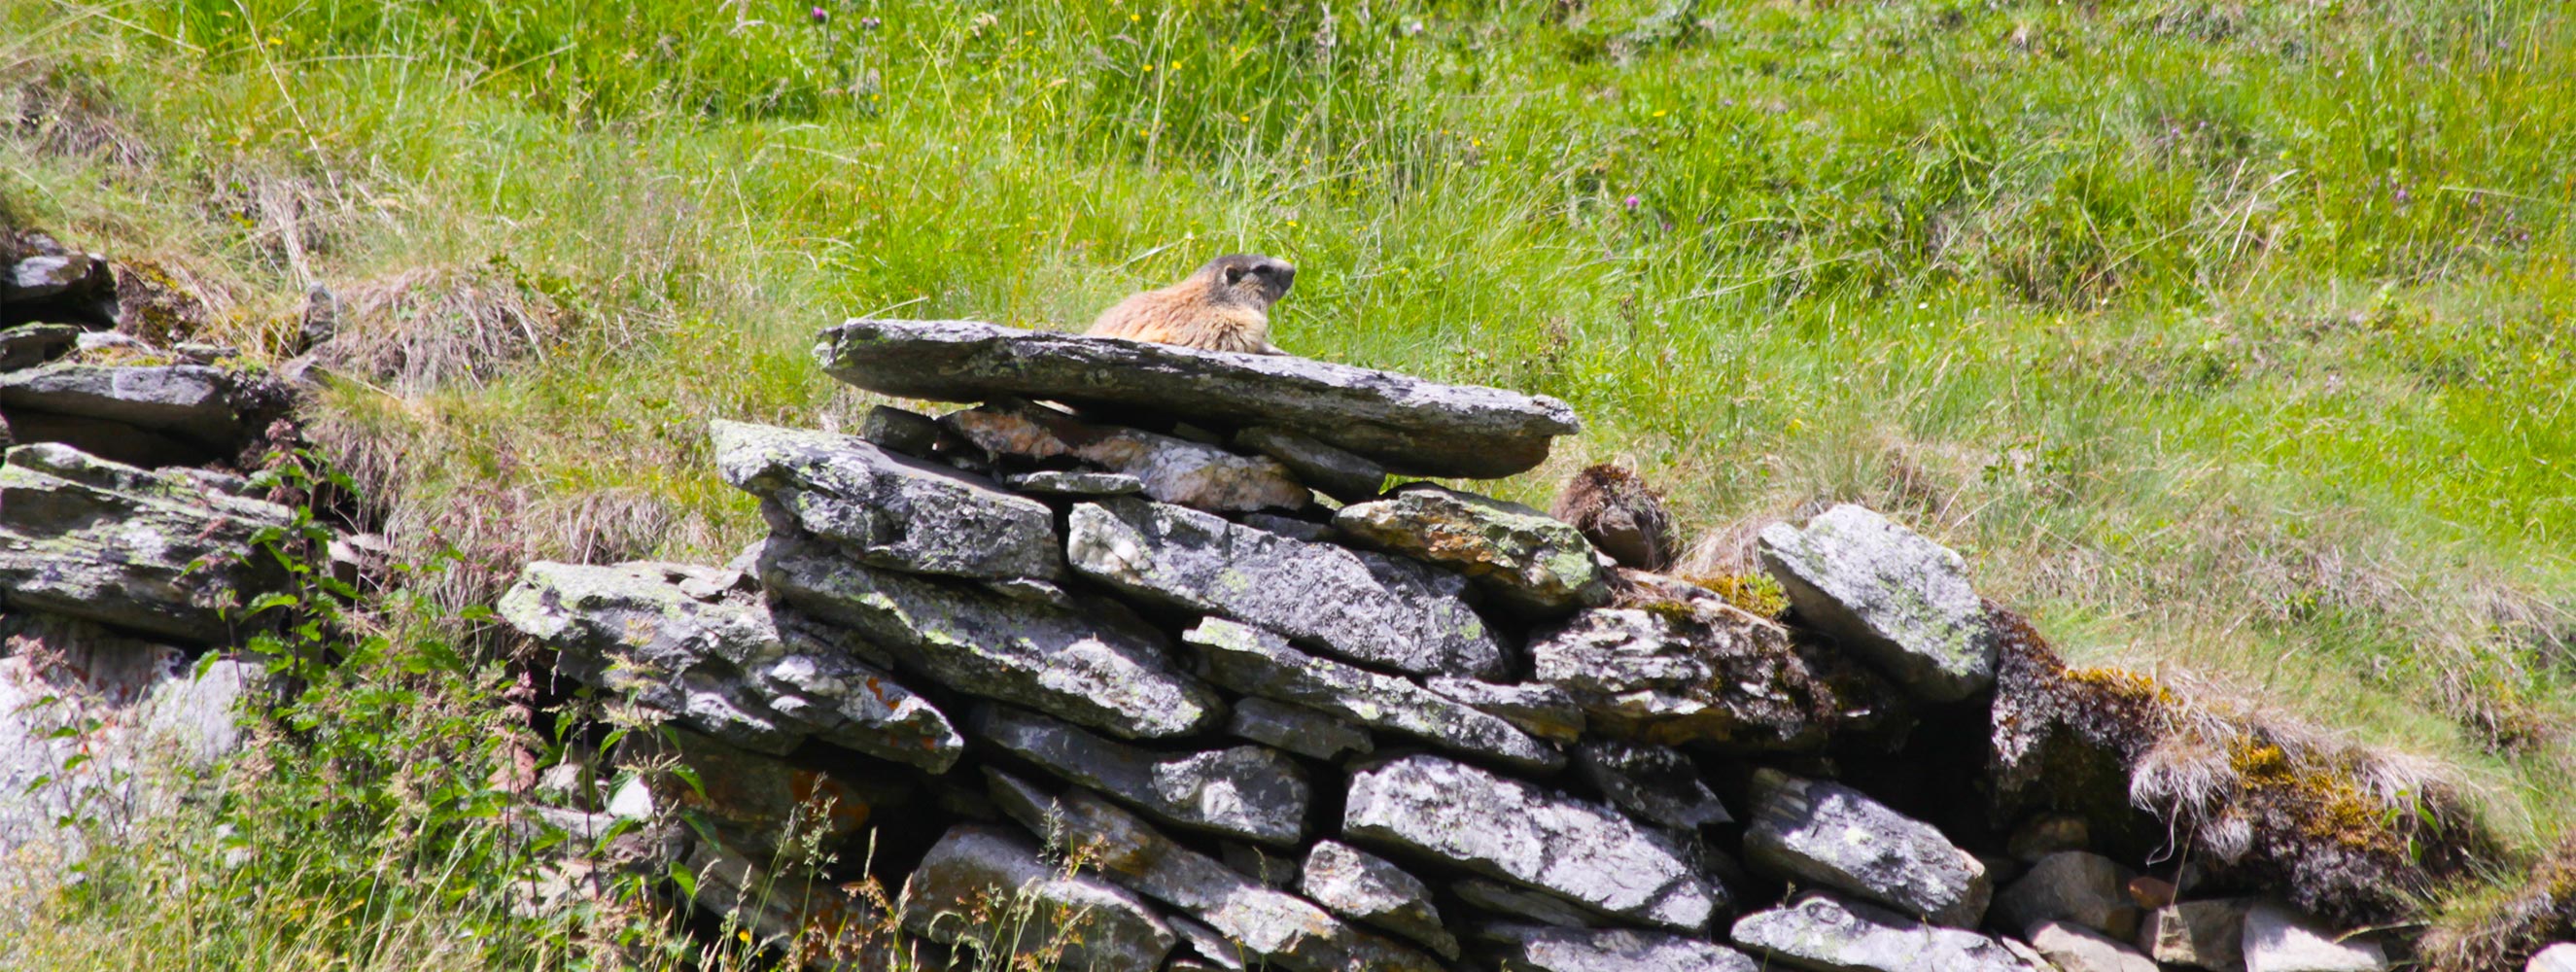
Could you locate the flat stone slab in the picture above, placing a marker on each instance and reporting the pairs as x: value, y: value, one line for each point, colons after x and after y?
x: 1365, y: 887
x: 1656, y: 784
x: 34, y: 344
x: 1542, y: 710
x: 2078, y: 887
x: 1257, y: 662
x: 1362, y: 606
x: 1823, y: 933
x: 1297, y: 729
x: 699, y: 645
x: 1084, y: 666
x: 1241, y: 791
x: 1708, y: 675
x: 1826, y: 834
x: 1540, y: 948
x: 1166, y: 468
x: 1505, y: 828
x: 192, y: 402
x: 156, y: 552
x: 2075, y: 948
x: 1332, y: 472
x: 889, y: 509
x: 1409, y: 425
x: 1898, y: 598
x: 1536, y: 563
x: 1100, y: 925
x: 2280, y: 939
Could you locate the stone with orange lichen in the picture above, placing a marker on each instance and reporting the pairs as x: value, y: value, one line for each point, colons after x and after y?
x: 1534, y: 562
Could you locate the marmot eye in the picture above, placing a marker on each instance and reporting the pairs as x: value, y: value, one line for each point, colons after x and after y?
x: 1234, y: 274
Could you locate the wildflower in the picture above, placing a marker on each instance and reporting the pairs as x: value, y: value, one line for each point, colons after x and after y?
x: 868, y: 23
x: 820, y: 15
x: 1630, y: 202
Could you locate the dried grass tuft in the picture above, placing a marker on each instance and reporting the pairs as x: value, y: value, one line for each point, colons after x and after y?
x: 422, y: 329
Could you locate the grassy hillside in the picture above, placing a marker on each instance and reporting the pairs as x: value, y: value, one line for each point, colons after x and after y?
x: 2231, y: 339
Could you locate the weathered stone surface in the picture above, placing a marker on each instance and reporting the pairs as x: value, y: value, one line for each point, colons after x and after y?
x: 1258, y: 662
x: 1273, y: 867
x: 1297, y: 729
x: 2075, y: 948
x: 1362, y: 606
x: 27, y: 345
x: 1058, y: 482
x: 1214, y: 952
x: 1536, y: 564
x: 977, y: 870
x: 698, y: 644
x: 96, y: 727
x: 1541, y: 948
x: 160, y: 553
x: 2200, y: 934
x: 1542, y: 710
x: 818, y: 925
x: 1365, y: 887
x: 2049, y: 833
x: 2280, y: 939
x: 45, y: 275
x: 771, y: 807
x: 1709, y: 675
x: 900, y: 430
x: 1080, y: 666
x: 2556, y: 958
x: 191, y: 402
x: 1284, y: 929
x: 1245, y: 791
x: 1826, y: 934
x: 1505, y: 899
x: 1412, y: 426
x: 1166, y: 468
x: 1512, y: 830
x: 2072, y: 886
x: 1656, y: 784
x: 1333, y: 472
x: 1830, y: 835
x: 1892, y: 595
x: 887, y: 509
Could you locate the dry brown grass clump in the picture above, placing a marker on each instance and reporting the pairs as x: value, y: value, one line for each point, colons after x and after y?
x: 421, y: 329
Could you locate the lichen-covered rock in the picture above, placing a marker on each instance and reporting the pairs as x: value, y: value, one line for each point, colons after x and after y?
x: 209, y: 408
x: 1535, y: 563
x: 2071, y: 886
x: 1412, y: 426
x: 1333, y: 472
x: 1081, y: 666
x: 1830, y: 835
x: 1365, y: 887
x: 27, y: 345
x: 1257, y: 662
x: 161, y: 553
x: 1707, y: 675
x: 976, y: 871
x: 2280, y: 939
x: 1542, y: 948
x: 2075, y: 948
x: 1297, y: 729
x: 1657, y: 784
x: 1512, y: 830
x: 1890, y: 594
x: 1068, y: 482
x: 900, y: 430
x: 886, y: 509
x: 1362, y: 606
x: 1540, y: 709
x: 1244, y: 791
x: 1166, y: 468
x: 1285, y: 930
x: 2206, y: 934
x: 699, y: 645
x: 1826, y: 934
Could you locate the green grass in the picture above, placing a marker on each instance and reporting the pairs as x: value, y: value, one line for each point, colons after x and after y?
x: 2230, y: 339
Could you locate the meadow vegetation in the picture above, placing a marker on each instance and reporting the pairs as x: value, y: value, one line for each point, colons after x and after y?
x: 2231, y: 340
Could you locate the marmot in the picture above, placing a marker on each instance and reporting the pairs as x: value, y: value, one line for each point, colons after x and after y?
x: 1614, y: 508
x: 1223, y: 307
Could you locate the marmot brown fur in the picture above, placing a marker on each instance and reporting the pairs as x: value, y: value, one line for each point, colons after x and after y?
x: 1620, y: 514
x: 1225, y: 306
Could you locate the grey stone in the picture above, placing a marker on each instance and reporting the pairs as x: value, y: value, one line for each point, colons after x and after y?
x: 974, y: 871
x: 900, y: 430
x: 51, y: 275
x: 1245, y: 791
x: 700, y: 646
x: 1365, y: 887
x: 160, y: 553
x: 887, y: 509
x: 2280, y: 939
x: 1899, y: 599
x: 1542, y: 710
x: 775, y: 808
x: 2075, y: 948
x: 1540, y: 948
x: 2560, y: 957
x: 1297, y: 729
x: 1268, y: 865
x: 2072, y: 886
x: 1504, y: 899
x: 1535, y: 563
x: 1822, y: 933
x: 1830, y: 835
x: 1083, y: 666
x: 1289, y: 526
x: 1512, y: 830
x: 1708, y: 675
x: 1258, y: 662
x: 1060, y: 482
x: 2201, y: 934
x: 193, y: 403
x: 1657, y: 784
x: 1412, y: 426
x: 33, y: 344
x: 1360, y: 606
x: 2049, y: 833
x: 1213, y: 950
x: 1166, y: 468
x: 1285, y: 930
x: 1333, y: 472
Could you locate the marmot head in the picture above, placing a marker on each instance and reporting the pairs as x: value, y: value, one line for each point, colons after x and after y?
x: 1247, y: 278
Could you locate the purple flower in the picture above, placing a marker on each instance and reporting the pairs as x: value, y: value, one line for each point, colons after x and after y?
x: 822, y: 16
x: 1630, y: 202
x: 868, y: 23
